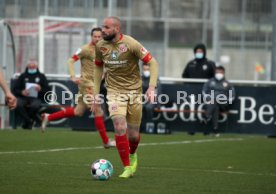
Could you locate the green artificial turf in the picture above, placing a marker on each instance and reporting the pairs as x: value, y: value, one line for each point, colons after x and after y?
x: 58, y: 161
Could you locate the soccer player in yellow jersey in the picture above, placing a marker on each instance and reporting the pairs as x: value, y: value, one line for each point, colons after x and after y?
x: 119, y: 55
x: 86, y: 55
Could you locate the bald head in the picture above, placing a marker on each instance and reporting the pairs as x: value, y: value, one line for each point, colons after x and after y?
x: 115, y: 20
x: 111, y: 28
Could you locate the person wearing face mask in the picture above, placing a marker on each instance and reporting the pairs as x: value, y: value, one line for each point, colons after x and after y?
x: 200, y: 67
x: 29, y: 89
x: 213, y: 90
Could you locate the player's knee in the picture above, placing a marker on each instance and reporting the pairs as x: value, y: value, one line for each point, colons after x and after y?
x: 119, y: 125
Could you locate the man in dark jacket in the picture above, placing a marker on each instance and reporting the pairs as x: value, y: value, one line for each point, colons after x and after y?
x: 29, y: 89
x: 200, y: 67
x: 218, y: 95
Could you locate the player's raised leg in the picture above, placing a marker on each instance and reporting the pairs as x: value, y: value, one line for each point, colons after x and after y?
x: 46, y: 118
x: 66, y: 113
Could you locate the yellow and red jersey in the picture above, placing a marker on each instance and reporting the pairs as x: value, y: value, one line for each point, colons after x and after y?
x: 120, y: 60
x: 86, y: 55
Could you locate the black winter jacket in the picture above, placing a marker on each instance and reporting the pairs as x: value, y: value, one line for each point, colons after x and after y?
x: 38, y: 78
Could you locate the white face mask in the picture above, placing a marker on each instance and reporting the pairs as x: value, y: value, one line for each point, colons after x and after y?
x: 219, y: 76
x: 146, y: 73
x: 199, y: 55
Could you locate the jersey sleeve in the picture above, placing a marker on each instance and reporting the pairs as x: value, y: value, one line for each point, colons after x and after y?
x: 78, y: 54
x: 98, y: 56
x: 141, y: 52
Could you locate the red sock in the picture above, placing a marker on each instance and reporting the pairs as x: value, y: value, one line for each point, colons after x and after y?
x: 133, y: 145
x: 99, y: 124
x: 123, y: 148
x: 68, y: 112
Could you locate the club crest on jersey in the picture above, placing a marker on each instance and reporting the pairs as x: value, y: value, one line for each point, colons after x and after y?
x: 103, y: 50
x: 114, y: 55
x: 143, y: 50
x: 122, y: 48
x: 225, y: 84
x: 37, y: 79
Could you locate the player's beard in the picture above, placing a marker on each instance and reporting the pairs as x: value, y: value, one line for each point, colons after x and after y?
x: 109, y: 37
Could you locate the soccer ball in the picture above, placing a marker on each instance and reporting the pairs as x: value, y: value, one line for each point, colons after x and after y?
x: 102, y: 169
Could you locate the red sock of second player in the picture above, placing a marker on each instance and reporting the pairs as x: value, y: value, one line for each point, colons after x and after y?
x: 99, y: 124
x: 68, y: 112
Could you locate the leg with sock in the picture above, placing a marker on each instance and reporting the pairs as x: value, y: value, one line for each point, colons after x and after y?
x: 46, y: 118
x: 68, y: 112
x: 122, y: 144
x: 134, y: 140
x: 100, y: 126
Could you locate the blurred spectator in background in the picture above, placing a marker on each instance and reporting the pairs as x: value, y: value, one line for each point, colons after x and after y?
x: 29, y: 89
x: 200, y: 67
x: 148, y: 108
x: 219, y: 95
x: 9, y: 97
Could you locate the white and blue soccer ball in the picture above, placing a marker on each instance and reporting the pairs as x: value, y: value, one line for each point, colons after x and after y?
x: 101, y: 169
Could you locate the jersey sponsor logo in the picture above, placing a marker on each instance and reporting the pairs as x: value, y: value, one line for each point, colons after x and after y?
x: 122, y: 48
x: 78, y: 51
x: 116, y: 62
x: 143, y: 50
x: 114, y: 55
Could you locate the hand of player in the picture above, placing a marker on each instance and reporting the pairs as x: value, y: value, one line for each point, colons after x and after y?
x: 151, y: 94
x: 95, y: 102
x: 11, y: 101
x: 25, y: 93
x: 38, y: 88
x: 75, y: 80
x: 93, y: 107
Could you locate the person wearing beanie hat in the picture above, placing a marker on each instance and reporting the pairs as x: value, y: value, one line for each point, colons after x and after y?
x: 200, y: 67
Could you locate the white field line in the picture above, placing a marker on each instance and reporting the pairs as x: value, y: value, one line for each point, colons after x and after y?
x: 164, y: 168
x: 141, y: 144
x: 212, y: 171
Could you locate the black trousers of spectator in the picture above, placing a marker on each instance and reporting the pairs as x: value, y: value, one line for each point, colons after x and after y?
x: 212, y: 113
x: 28, y: 108
x: 147, y: 115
